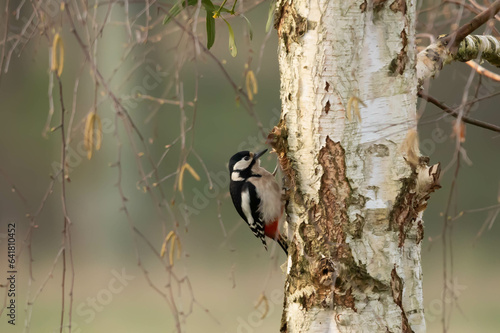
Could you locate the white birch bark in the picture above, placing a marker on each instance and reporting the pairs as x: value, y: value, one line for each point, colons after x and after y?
x: 354, y: 203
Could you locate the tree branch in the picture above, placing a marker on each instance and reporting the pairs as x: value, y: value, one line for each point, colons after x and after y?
x: 459, y: 46
x: 454, y: 39
x: 453, y: 113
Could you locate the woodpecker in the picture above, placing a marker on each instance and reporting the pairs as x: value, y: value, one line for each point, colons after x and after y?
x: 256, y: 196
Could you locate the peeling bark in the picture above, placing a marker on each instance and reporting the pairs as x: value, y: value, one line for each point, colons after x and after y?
x: 412, y: 200
x: 354, y: 194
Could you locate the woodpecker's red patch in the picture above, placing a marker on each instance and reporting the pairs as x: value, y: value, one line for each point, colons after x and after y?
x: 271, y: 229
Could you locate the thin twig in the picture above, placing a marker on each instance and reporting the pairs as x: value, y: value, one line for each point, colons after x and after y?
x: 66, y: 229
x: 2, y: 57
x: 483, y: 71
x: 448, y: 110
x: 474, y: 9
x: 444, y: 239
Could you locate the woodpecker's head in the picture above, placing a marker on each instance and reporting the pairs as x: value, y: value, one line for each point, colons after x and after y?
x: 241, y: 164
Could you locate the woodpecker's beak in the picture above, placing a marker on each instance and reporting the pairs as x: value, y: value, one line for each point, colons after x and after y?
x: 259, y: 154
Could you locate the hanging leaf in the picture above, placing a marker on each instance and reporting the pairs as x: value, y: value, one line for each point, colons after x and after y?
x: 232, y: 44
x: 210, y: 30
x: 270, y: 15
x: 250, y: 31
x: 209, y: 6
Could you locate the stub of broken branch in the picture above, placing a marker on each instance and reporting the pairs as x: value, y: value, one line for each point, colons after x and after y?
x: 412, y: 200
x: 428, y: 178
x: 435, y: 56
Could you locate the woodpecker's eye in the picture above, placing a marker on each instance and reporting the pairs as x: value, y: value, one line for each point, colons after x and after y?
x: 247, y: 158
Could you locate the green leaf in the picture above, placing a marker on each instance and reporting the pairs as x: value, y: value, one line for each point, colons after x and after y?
x: 210, y: 30
x: 209, y: 6
x: 210, y: 9
x: 174, y: 11
x: 250, y: 31
x: 177, y: 8
x: 270, y: 15
x: 232, y: 44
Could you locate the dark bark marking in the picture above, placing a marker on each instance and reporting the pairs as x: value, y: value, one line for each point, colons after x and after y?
x: 327, y: 258
x: 363, y: 6
x: 412, y: 199
x: 327, y: 107
x: 398, y: 64
x: 311, y: 25
x: 397, y: 295
x: 324, y: 278
x: 492, y: 46
x: 378, y: 5
x: 277, y: 139
x: 356, y: 227
x: 403, y: 214
x: 334, y: 193
x: 396, y: 287
x: 433, y: 56
x: 379, y: 150
x: 289, y: 24
x: 398, y: 6
x: 346, y: 300
x: 327, y: 86
x: 330, y: 221
x: 337, y: 274
x: 420, y: 232
x: 326, y: 231
x: 283, y: 328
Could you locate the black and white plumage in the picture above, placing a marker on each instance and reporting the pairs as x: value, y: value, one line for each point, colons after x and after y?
x: 256, y: 196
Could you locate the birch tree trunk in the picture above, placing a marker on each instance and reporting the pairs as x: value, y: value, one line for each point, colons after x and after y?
x: 356, y: 186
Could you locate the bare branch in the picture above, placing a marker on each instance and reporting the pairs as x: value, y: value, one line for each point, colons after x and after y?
x: 483, y: 71
x: 448, y: 110
x: 66, y: 244
x: 453, y: 40
x: 459, y: 46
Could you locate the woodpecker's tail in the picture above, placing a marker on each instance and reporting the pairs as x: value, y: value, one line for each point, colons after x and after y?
x: 282, y: 242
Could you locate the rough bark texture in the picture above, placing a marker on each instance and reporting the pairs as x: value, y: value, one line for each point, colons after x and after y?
x: 356, y: 187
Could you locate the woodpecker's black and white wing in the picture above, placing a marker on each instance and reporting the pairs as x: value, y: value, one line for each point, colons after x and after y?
x: 250, y: 203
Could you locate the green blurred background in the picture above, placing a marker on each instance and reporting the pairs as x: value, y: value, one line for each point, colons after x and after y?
x: 227, y: 267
